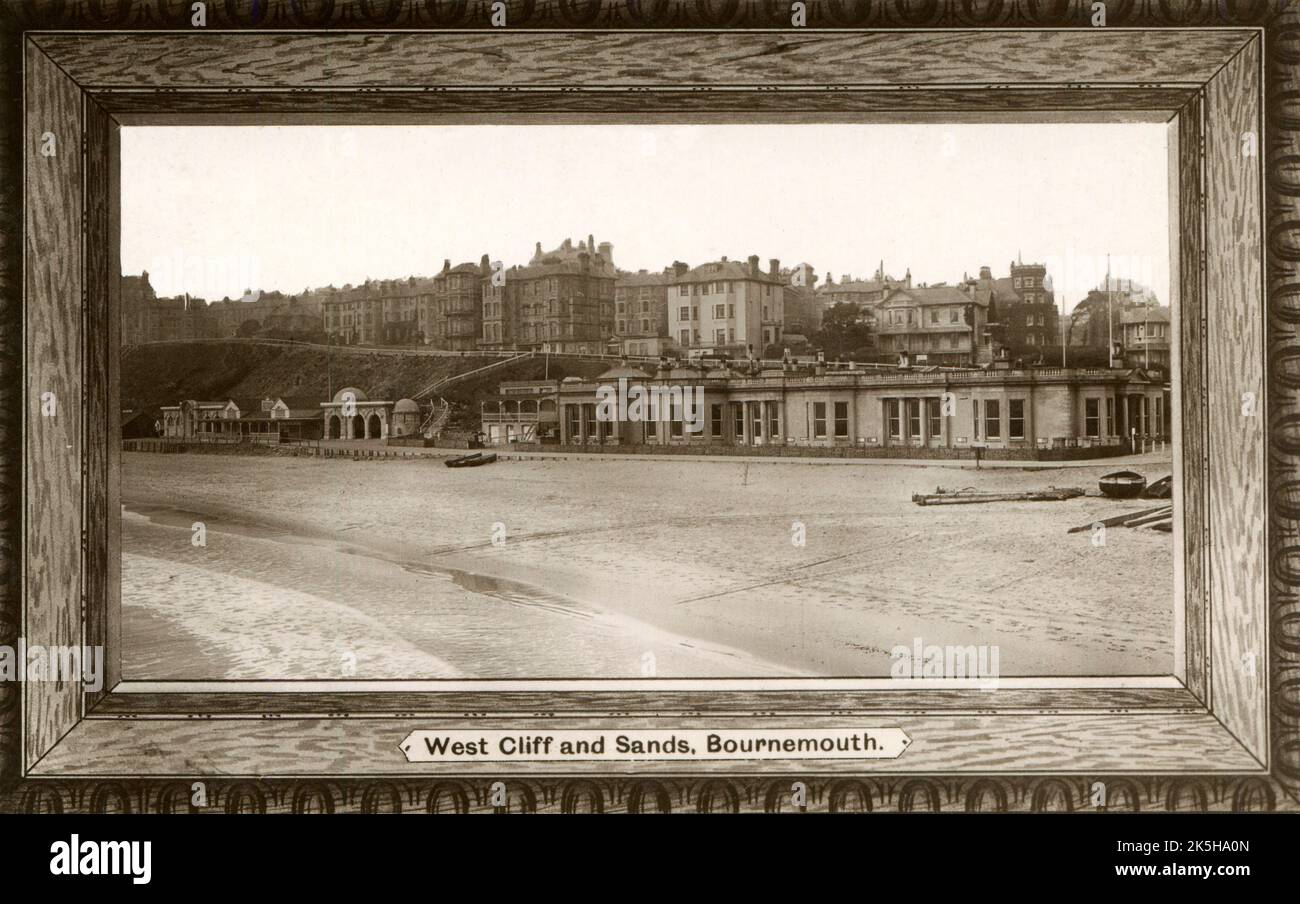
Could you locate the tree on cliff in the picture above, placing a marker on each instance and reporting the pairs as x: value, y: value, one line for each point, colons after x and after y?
x: 843, y: 334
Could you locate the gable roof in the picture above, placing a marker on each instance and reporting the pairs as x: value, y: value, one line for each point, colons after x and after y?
x: 1145, y: 315
x: 932, y: 295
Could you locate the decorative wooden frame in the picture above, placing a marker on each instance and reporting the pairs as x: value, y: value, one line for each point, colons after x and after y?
x: 1226, y: 737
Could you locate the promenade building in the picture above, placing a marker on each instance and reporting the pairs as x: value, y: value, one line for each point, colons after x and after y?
x: 872, y: 411
x: 271, y: 420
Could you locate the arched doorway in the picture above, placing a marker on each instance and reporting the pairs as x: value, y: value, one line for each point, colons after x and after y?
x: 358, y: 427
x: 336, y: 427
x: 373, y: 430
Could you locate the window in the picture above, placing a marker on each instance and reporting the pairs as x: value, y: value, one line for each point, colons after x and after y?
x: 684, y: 313
x: 731, y: 310
x: 914, y: 418
x: 685, y: 337
x: 675, y: 420
x: 758, y: 420
x: 819, y: 419
x: 1016, y: 418
x: 934, y: 316
x: 1015, y: 283
x: 695, y: 313
x: 1092, y: 417
x: 891, y: 415
x: 952, y: 316
x: 622, y: 326
x: 975, y: 416
x: 715, y: 419
x: 683, y: 290
x: 841, y: 419
x: 773, y: 419
x: 651, y: 429
x: 1110, y: 417
x: 954, y: 341
x: 720, y: 335
x: 1029, y: 321
x: 933, y: 413
x: 992, y: 420
x: 738, y: 420
x: 719, y: 311
x: 645, y: 326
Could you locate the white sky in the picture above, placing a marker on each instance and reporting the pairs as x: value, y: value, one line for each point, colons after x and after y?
x: 214, y: 211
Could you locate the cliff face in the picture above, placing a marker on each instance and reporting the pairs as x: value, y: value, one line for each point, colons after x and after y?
x: 164, y: 374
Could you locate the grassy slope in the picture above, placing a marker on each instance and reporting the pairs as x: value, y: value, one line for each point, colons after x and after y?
x: 162, y: 375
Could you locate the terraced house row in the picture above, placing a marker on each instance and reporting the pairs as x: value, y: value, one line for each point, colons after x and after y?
x: 573, y: 298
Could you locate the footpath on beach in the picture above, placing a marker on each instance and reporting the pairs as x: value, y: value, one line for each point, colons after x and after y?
x: 376, y: 449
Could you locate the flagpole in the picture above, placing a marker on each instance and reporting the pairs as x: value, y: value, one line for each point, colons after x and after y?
x: 1064, y: 340
x: 1110, y: 320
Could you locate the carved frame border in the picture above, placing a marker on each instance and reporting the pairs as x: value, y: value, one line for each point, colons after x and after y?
x: 1280, y: 150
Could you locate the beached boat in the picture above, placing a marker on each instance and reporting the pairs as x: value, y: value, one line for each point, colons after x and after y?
x: 471, y: 461
x: 1122, y: 484
x: 1160, y: 489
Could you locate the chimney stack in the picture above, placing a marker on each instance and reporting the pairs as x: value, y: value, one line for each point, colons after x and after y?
x: 485, y: 264
x: 986, y: 273
x: 607, y: 252
x: 446, y: 264
x: 753, y: 265
x: 679, y: 268
x: 774, y: 267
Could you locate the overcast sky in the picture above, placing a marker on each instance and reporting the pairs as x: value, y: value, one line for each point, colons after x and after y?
x: 214, y: 211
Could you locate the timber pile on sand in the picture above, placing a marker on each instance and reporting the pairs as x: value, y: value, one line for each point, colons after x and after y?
x: 1160, y: 518
x: 969, y: 495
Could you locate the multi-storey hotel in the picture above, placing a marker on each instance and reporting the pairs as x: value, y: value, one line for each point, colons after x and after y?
x: 726, y: 307
x: 935, y: 325
x: 641, y: 313
x: 562, y: 301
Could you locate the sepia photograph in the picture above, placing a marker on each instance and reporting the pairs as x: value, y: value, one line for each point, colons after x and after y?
x: 687, y: 408
x: 907, y: 411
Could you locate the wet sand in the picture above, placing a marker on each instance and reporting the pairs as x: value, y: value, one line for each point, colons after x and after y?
x: 620, y: 569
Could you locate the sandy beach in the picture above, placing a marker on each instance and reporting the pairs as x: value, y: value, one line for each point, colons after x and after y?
x: 333, y: 569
